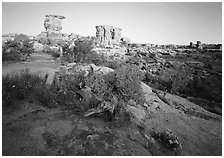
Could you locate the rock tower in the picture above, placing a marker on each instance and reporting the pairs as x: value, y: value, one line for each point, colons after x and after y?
x: 52, y: 23
x: 108, y: 35
x: 199, y: 45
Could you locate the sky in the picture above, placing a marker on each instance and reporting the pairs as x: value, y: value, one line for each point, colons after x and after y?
x: 145, y: 22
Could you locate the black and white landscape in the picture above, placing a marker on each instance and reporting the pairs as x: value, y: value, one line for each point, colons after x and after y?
x: 117, y: 87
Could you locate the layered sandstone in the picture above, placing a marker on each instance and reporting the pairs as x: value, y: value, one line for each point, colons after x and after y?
x: 107, y: 35
x: 52, y: 23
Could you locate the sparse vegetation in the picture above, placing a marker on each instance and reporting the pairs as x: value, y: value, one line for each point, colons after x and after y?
x: 26, y: 86
x: 17, y: 50
x: 127, y: 82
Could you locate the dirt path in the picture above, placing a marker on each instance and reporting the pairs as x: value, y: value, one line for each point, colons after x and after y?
x: 39, y: 63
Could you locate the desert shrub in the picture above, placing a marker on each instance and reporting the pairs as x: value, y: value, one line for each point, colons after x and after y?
x: 17, y: 51
x: 97, y: 84
x: 113, y: 64
x: 21, y: 38
x: 208, y: 66
x: 95, y: 58
x: 55, y: 54
x: 83, y: 46
x: 9, y: 44
x: 158, y: 82
x: 25, y: 86
x: 128, y: 82
x: 70, y: 91
x: 168, y: 140
x: 102, y: 60
x: 124, y: 83
x: 27, y: 48
x: 11, y: 55
x: 47, y: 49
x: 180, y: 79
x: 43, y: 40
x: 51, y: 51
x: 73, y: 56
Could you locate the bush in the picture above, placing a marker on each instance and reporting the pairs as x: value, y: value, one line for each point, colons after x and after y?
x: 84, y: 45
x: 43, y: 40
x: 21, y: 38
x: 55, y: 54
x: 97, y: 84
x: 128, y: 83
x: 11, y: 55
x: 72, y: 56
x: 17, y: 51
x: 70, y: 91
x: 95, y: 58
x: 124, y: 82
x: 82, y: 48
x: 181, y: 79
x: 86, y: 92
x: 26, y: 86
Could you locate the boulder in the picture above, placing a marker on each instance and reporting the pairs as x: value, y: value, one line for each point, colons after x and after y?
x: 43, y: 34
x: 38, y: 46
x: 101, y: 69
x: 125, y: 40
x: 145, y: 88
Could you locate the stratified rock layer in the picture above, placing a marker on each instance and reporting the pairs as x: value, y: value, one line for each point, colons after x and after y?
x: 52, y: 23
x: 107, y: 35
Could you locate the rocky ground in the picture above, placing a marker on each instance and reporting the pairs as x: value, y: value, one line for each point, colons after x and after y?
x: 38, y: 130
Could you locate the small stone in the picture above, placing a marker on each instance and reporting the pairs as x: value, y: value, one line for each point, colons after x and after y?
x: 82, y: 127
x: 92, y: 137
x: 132, y: 102
x: 71, y: 64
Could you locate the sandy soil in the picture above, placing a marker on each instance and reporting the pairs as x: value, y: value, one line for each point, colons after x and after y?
x: 39, y: 63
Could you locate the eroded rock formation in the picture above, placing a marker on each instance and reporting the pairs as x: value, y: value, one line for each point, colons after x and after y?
x: 52, y: 23
x: 107, y: 35
x: 199, y: 45
x: 53, y: 26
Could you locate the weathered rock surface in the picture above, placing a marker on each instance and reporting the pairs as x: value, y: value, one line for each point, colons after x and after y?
x: 61, y: 132
x: 107, y: 35
x: 42, y: 35
x: 53, y: 26
x: 52, y: 23
x: 38, y: 46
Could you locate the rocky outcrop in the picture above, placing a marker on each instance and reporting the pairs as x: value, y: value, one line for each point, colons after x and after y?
x: 53, y: 26
x: 52, y: 23
x: 38, y: 46
x: 42, y: 35
x: 199, y: 45
x: 107, y: 35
